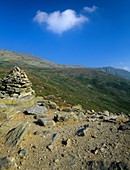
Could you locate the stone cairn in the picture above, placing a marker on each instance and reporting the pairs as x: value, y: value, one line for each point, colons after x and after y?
x: 16, y: 85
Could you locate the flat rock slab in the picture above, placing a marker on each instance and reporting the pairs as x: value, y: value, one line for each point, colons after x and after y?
x: 7, y: 163
x: 36, y: 110
x: 15, y: 135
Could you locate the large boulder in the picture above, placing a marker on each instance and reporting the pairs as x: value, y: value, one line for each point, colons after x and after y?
x: 37, y: 110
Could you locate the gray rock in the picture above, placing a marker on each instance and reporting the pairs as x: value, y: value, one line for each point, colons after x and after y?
x: 82, y: 131
x: 67, y: 109
x: 55, y: 137
x: 6, y: 112
x: 46, y: 122
x: 88, y: 112
x: 50, y: 147
x: 96, y: 165
x: 81, y: 115
x: 65, y: 117
x: 77, y: 108
x: 23, y: 153
x: 53, y: 105
x: 37, y: 110
x: 7, y: 163
x: 67, y: 142
x: 3, y: 107
x: 102, y: 165
x: 16, y: 135
x: 47, y: 103
x: 106, y: 113
x: 126, y: 126
x: 118, y: 166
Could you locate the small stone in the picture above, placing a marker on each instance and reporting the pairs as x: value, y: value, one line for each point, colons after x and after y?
x: 67, y: 142
x: 50, y: 147
x: 88, y: 112
x: 53, y: 105
x: 106, y: 113
x: 36, y: 133
x: 82, y: 131
x: 23, y: 153
x: 94, y: 136
x: 77, y: 108
x: 95, y: 151
x: 56, y: 161
x: 55, y: 137
x: 102, y: 149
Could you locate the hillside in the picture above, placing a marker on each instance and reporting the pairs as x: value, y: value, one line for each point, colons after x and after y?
x: 116, y: 72
x: 91, y: 88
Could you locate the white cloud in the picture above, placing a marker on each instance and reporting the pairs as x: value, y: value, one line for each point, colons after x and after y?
x: 59, y: 22
x: 90, y: 9
x: 126, y: 68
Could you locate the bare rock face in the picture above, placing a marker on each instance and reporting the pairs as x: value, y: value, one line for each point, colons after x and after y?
x: 16, y: 90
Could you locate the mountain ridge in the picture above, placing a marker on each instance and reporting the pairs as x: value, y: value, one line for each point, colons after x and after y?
x: 92, y: 88
x: 116, y: 72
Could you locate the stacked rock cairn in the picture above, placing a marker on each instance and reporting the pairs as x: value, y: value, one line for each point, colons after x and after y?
x: 16, y: 85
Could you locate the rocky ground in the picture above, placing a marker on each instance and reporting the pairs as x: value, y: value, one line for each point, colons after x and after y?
x: 86, y: 140
x: 37, y: 134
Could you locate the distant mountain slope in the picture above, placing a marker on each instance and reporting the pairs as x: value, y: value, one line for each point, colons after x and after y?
x: 116, y: 72
x: 92, y: 88
x: 25, y: 60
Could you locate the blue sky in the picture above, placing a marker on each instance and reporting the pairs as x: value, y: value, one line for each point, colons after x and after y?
x: 91, y: 33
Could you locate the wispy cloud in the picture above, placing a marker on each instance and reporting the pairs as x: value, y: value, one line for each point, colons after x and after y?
x: 126, y: 68
x: 59, y: 22
x: 90, y: 9
x: 124, y: 65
